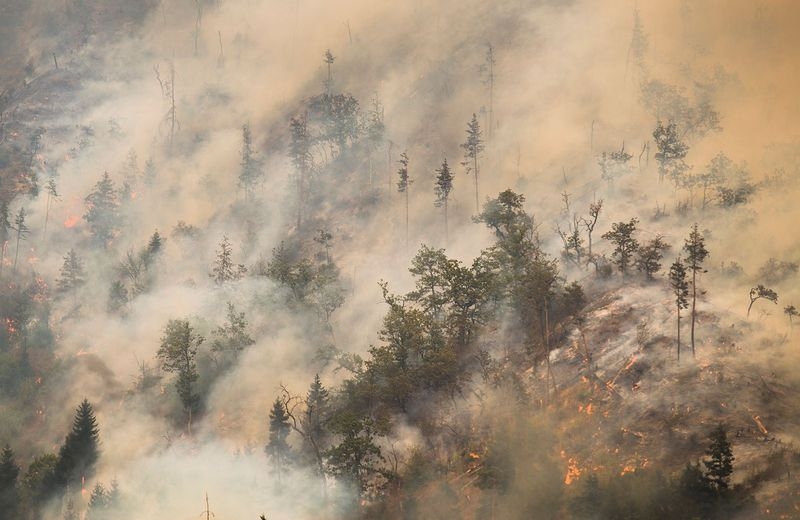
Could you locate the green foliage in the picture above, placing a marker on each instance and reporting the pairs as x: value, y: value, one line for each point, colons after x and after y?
x: 695, y: 249
x: 102, y: 211
x: 614, y: 164
x: 671, y: 152
x: 758, y: 292
x: 625, y: 244
x: 9, y: 471
x: 251, y: 173
x: 232, y: 337
x: 356, y: 458
x: 443, y: 185
x: 679, y: 284
x: 403, y: 182
x: 277, y: 449
x: 102, y: 502
x: 719, y: 465
x: 648, y: 256
x: 224, y: 270
x: 177, y: 354
x: 72, y: 275
x: 80, y: 451
x: 336, y: 119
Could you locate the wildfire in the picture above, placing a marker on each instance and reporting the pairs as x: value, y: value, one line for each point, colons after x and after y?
x: 573, y: 471
x: 760, y: 425
x: 474, y: 456
x: 588, y: 409
x: 630, y: 364
x: 11, y: 327
x: 71, y: 221
x: 627, y: 469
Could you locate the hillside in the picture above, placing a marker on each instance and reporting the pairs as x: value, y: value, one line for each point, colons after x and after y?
x: 517, y: 259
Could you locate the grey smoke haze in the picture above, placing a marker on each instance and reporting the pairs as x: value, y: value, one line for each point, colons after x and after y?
x: 562, y: 85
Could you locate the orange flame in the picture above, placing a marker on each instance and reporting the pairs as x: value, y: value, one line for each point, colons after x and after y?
x: 573, y: 471
x: 71, y: 221
x: 474, y: 455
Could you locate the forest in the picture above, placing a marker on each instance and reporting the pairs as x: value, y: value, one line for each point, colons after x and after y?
x: 480, y: 260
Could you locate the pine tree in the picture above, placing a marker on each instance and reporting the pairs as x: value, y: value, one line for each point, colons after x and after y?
x: 224, y: 270
x: 442, y: 188
x: 329, y: 59
x: 72, y: 274
x: 81, y: 449
x: 5, y: 235
x: 277, y: 448
x: 300, y: 152
x: 22, y: 232
x: 648, y: 257
x: 473, y: 149
x: 760, y: 292
x: 680, y: 287
x: 625, y: 244
x: 719, y: 466
x: 232, y: 338
x: 251, y: 172
x: 696, y: 253
x: 317, y: 409
x: 9, y: 471
x: 102, y: 211
x: 403, y: 184
x: 52, y: 194
x: 177, y: 354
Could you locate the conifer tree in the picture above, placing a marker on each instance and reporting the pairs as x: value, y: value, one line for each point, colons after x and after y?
x: 232, y: 337
x: 72, y: 274
x: 300, y: 153
x: 5, y: 235
x: 696, y: 252
x: 9, y: 471
x: 648, y: 257
x: 224, y: 270
x: 680, y: 287
x: 177, y: 354
x: 403, y: 184
x: 22, y: 232
x: 102, y: 211
x: 761, y: 292
x: 473, y: 150
x: 80, y: 451
x: 52, y: 194
x: 719, y: 466
x: 442, y: 188
x: 625, y: 244
x: 277, y: 448
x: 329, y: 59
x: 251, y: 172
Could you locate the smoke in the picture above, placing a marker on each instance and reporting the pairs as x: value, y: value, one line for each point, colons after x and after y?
x: 565, y: 90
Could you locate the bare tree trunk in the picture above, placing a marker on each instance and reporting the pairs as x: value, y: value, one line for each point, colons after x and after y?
x: 477, y: 204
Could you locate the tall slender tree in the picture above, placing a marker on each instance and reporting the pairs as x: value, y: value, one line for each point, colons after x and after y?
x: 22, y: 232
x: 696, y: 253
x: 488, y: 69
x: 52, y: 194
x: 442, y: 188
x: 80, y: 451
x: 177, y: 354
x: 680, y: 288
x: 251, y: 172
x: 9, y: 471
x: 473, y: 150
x: 403, y: 184
x: 300, y: 153
x: 277, y: 448
x: 5, y: 235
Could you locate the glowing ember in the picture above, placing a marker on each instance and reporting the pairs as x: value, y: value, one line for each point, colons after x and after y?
x: 11, y: 327
x: 760, y: 425
x: 573, y: 471
x: 474, y: 455
x: 71, y: 221
x: 627, y: 469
